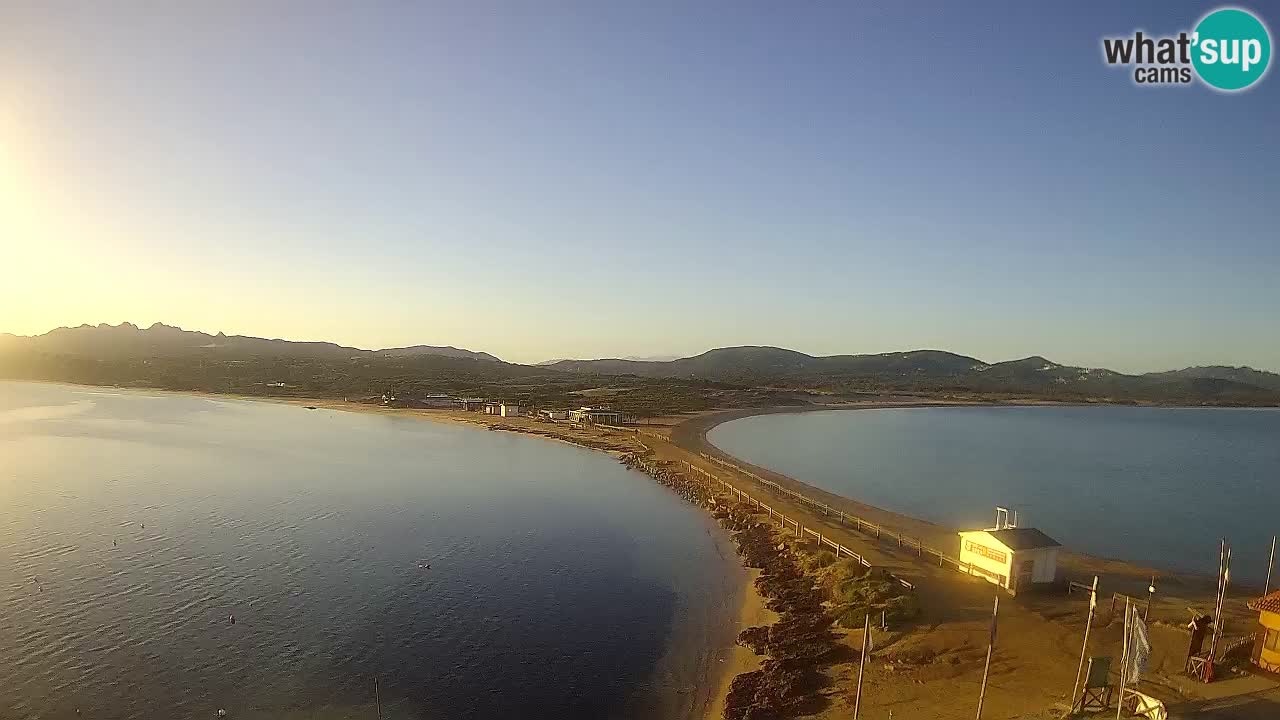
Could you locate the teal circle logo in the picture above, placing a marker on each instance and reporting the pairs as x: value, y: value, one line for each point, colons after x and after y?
x: 1231, y: 49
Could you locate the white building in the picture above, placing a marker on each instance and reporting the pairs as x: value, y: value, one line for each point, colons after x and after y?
x: 1014, y: 558
x: 509, y: 410
x: 554, y: 414
x: 600, y: 416
x: 493, y: 408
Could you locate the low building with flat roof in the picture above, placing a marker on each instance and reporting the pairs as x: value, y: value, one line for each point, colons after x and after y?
x: 1015, y: 558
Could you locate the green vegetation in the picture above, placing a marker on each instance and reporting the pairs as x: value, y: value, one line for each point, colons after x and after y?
x: 856, y: 592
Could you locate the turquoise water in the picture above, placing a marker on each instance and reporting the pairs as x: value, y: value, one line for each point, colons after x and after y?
x: 560, y: 584
x: 1153, y: 485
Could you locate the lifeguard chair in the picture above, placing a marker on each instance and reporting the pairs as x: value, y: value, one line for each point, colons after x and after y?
x: 1097, y: 691
x: 1199, y: 663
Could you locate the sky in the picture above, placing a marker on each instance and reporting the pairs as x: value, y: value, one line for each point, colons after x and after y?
x: 582, y: 179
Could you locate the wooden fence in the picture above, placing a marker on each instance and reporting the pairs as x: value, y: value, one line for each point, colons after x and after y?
x: 863, y: 526
x: 790, y: 524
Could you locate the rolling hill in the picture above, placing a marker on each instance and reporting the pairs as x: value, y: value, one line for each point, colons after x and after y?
x: 935, y: 370
x: 128, y: 340
x: 170, y: 357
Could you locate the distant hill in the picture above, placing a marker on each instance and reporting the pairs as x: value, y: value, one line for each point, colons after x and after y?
x: 127, y: 340
x: 1245, y: 375
x: 939, y: 371
x: 765, y: 362
x: 170, y: 357
x: 445, y: 351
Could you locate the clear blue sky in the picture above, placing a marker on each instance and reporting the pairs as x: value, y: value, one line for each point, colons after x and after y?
x: 553, y: 179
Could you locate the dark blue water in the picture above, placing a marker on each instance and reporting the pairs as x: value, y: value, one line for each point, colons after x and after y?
x: 561, y: 585
x: 1157, y: 486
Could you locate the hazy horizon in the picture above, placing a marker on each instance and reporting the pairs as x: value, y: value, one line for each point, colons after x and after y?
x: 590, y: 181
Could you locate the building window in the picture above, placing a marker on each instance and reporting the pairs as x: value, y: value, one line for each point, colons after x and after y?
x: 1028, y: 565
x: 1272, y: 641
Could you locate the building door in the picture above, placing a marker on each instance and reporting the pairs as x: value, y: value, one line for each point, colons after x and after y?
x: 1026, y: 569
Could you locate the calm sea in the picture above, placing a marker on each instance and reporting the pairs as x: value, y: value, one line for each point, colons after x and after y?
x: 1153, y: 485
x: 475, y: 574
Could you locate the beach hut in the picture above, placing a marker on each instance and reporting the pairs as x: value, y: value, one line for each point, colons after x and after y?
x: 1266, y: 650
x: 1015, y: 558
x: 493, y: 408
x: 509, y: 410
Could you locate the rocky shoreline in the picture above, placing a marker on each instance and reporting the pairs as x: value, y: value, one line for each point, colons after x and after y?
x: 801, y: 641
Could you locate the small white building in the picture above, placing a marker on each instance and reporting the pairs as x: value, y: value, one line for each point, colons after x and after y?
x: 554, y: 414
x: 1016, y: 559
x: 493, y: 408
x: 601, y: 416
x: 509, y: 410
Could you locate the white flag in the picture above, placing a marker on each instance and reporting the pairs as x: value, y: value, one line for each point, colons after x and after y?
x: 1139, y: 648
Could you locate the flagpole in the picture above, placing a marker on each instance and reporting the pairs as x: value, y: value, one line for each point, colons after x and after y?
x: 1084, y: 648
x: 982, y: 696
x: 1222, y: 597
x: 1124, y: 659
x: 1270, y: 562
x: 862, y: 663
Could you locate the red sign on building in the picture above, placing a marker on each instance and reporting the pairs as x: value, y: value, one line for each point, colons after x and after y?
x: 985, y: 551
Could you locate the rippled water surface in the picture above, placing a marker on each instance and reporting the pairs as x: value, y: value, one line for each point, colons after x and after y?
x: 132, y: 526
x: 1153, y: 485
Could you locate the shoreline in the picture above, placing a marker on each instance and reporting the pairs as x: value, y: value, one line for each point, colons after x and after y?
x: 1048, y: 622
x: 751, y: 612
x: 1180, y: 589
x: 725, y: 661
x: 691, y: 435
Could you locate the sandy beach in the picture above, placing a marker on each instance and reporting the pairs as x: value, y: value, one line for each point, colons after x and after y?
x: 929, y: 668
x: 939, y: 660
x: 751, y: 612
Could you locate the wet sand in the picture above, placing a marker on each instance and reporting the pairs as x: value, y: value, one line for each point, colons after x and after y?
x: 738, y: 659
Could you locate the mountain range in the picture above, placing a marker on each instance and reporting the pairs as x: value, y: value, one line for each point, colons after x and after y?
x: 190, y: 355
x: 160, y: 340
x: 940, y: 370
